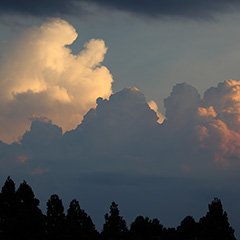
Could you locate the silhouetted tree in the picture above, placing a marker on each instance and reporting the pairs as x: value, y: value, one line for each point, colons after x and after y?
x: 170, y: 234
x: 215, y: 224
x: 56, y: 224
x: 188, y: 229
x: 21, y: 218
x: 8, y: 210
x: 79, y: 224
x: 146, y: 229
x: 114, y: 227
x: 30, y: 218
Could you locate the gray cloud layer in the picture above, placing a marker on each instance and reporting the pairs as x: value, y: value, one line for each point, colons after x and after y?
x: 152, y: 8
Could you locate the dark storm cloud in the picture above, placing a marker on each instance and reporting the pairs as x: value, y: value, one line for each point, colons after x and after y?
x: 38, y: 8
x: 173, y: 8
x: 152, y: 8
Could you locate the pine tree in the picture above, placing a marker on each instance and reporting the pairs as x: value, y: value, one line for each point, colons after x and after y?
x: 8, y: 210
x: 188, y: 229
x: 30, y: 217
x: 114, y: 226
x: 56, y: 224
x: 215, y: 224
x: 145, y: 229
x: 79, y: 224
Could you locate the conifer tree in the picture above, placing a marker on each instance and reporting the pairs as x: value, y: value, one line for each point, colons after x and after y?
x: 8, y: 210
x: 56, y: 224
x: 188, y: 229
x: 79, y: 224
x: 145, y: 229
x: 30, y: 218
x: 114, y: 226
x: 215, y: 224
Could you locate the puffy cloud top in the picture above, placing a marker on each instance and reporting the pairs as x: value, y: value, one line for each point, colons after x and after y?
x: 124, y: 109
x: 124, y: 131
x: 181, y: 105
x: 41, y: 76
x: 118, y: 126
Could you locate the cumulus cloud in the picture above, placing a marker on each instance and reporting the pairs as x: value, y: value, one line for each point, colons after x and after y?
x: 118, y: 132
x: 225, y: 98
x: 180, y: 106
x: 221, y: 121
x: 209, y: 125
x: 114, y: 132
x: 120, y: 149
x: 124, y: 131
x: 41, y: 76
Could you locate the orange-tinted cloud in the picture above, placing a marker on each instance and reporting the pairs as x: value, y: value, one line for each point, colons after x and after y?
x: 21, y: 158
x: 154, y: 107
x: 41, y: 76
x: 213, y: 120
x: 219, y: 130
x: 38, y: 171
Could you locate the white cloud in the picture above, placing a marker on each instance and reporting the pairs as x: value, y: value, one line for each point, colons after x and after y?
x: 41, y: 76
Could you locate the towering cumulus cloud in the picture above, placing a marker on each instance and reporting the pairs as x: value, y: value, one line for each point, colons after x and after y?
x: 123, y: 133
x: 211, y: 124
x: 220, y: 121
x: 41, y: 77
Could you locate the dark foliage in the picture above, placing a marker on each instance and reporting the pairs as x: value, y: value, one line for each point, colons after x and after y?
x: 188, y: 229
x: 114, y: 226
x: 8, y: 210
x: 55, y: 220
x: 215, y: 224
x: 21, y: 218
x: 146, y: 229
x: 79, y: 224
x: 29, y: 216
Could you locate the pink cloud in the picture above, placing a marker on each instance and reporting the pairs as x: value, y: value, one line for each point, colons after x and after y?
x: 38, y: 171
x: 21, y: 158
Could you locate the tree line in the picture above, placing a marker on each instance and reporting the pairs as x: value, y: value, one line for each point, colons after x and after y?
x: 21, y: 218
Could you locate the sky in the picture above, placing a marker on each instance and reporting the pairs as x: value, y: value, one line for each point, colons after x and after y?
x: 135, y: 102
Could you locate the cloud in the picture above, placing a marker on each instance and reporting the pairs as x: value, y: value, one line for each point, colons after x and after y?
x: 42, y: 8
x: 41, y: 76
x: 119, y: 131
x: 124, y: 131
x: 116, y: 127
x: 180, y: 106
x: 208, y: 126
x: 154, y: 107
x: 222, y: 120
x: 174, y: 8
x: 119, y: 149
